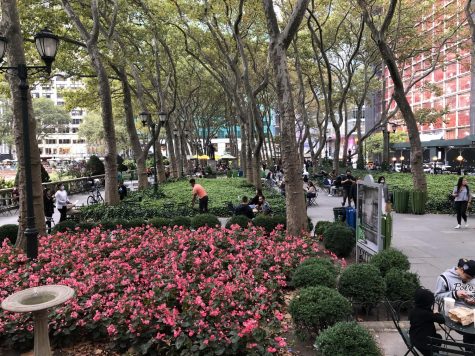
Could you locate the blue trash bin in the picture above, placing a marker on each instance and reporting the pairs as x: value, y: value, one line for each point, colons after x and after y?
x: 240, y: 173
x: 351, y: 217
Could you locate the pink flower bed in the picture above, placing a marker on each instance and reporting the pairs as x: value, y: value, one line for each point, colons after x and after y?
x: 212, y: 291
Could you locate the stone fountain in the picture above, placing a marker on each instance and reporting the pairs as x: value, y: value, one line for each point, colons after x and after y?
x: 37, y: 300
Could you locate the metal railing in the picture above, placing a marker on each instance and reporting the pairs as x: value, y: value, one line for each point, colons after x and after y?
x: 9, y: 202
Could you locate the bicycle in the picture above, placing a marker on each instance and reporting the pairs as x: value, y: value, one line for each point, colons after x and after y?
x: 95, y: 197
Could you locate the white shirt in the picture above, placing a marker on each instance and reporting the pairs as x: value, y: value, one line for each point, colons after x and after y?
x: 61, y: 198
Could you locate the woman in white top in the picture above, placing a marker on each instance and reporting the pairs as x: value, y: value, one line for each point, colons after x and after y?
x: 62, y: 202
x: 462, y: 199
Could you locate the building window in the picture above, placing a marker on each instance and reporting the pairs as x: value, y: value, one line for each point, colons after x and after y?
x: 64, y: 140
x: 76, y: 121
x: 50, y: 141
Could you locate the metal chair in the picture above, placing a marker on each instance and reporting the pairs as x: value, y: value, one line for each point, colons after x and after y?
x: 395, y: 317
x: 446, y: 347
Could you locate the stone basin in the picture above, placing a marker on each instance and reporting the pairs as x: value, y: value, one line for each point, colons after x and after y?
x: 37, y: 298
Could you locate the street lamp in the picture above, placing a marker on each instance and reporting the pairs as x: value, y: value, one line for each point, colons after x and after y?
x: 146, y: 119
x: 390, y: 126
x: 47, y: 45
x: 394, y: 163
x: 402, y: 163
x: 434, y: 159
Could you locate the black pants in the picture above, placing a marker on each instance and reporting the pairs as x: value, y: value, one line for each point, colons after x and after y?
x: 346, y: 194
x: 203, y: 204
x: 48, y: 223
x: 63, y: 212
x: 461, y: 209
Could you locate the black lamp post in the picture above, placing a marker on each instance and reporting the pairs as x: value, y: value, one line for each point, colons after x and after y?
x: 47, y: 46
x: 391, y: 126
x: 146, y: 119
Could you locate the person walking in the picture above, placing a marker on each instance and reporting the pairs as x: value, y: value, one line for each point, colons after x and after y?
x: 200, y: 192
x: 462, y: 199
x: 62, y: 202
x: 48, y: 205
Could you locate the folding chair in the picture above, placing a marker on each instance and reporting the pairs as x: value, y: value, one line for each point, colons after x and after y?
x: 403, y: 332
x: 445, y: 347
x: 313, y: 201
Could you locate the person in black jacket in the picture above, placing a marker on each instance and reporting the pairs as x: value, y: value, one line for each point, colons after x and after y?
x: 422, y: 320
x: 255, y: 200
x: 48, y: 205
x: 244, y: 208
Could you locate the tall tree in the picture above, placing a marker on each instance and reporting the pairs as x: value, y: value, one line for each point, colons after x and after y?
x: 91, y: 40
x: 279, y: 42
x: 10, y: 27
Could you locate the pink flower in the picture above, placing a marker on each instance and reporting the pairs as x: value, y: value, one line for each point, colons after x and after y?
x: 111, y: 330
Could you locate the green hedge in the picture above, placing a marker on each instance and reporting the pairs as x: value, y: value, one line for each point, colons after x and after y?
x: 401, y: 285
x: 241, y: 220
x: 340, y: 239
x: 389, y: 259
x: 201, y: 220
x: 64, y: 226
x: 174, y: 199
x: 314, y: 273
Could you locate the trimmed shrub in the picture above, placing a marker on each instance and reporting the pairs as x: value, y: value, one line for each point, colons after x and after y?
x: 389, y: 259
x: 314, y: 274
x: 269, y: 223
x: 8, y: 231
x: 108, y: 224
x: 401, y: 285
x: 65, y: 225
x: 309, y: 224
x: 323, y: 261
x: 347, y: 338
x: 128, y: 224
x: 241, y: 220
x: 184, y: 221
x: 339, y: 239
x: 316, y: 308
x: 159, y: 222
x: 362, y: 283
x: 204, y: 220
x: 86, y: 225
x: 321, y: 226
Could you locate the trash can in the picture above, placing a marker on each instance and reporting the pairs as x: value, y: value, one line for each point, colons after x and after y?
x: 351, y: 217
x: 339, y: 213
x: 418, y: 202
x: 240, y: 173
x: 401, y: 201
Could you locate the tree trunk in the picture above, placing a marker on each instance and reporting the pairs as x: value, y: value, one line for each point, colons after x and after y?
x: 16, y: 56
x: 139, y: 154
x: 418, y: 176
x: 110, y: 156
x: 171, y: 151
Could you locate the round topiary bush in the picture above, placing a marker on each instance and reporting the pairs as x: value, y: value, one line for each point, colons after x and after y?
x: 322, y: 226
x: 8, y: 231
x: 184, y: 221
x: 241, y: 220
x: 159, y: 222
x: 65, y: 225
x: 401, y: 285
x: 316, y: 308
x: 204, y: 220
x: 362, y: 283
x: 347, y: 338
x: 389, y: 259
x: 340, y: 239
x: 314, y: 274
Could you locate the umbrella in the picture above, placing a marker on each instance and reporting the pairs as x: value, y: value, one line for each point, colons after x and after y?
x: 227, y: 156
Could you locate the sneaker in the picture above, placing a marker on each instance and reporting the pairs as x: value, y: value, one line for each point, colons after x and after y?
x: 466, y: 225
x: 330, y: 195
x: 457, y: 227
